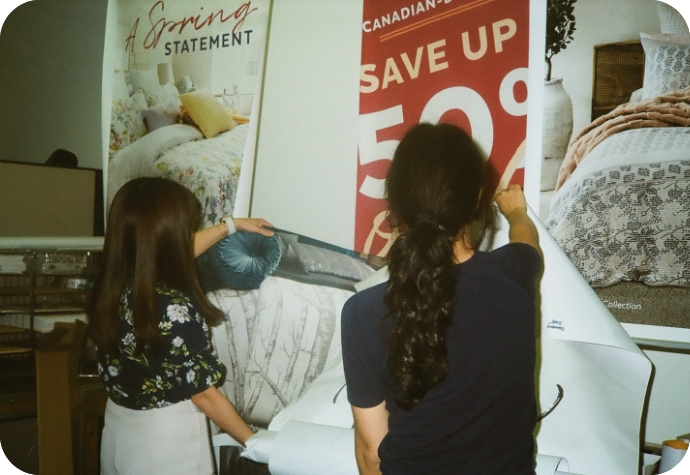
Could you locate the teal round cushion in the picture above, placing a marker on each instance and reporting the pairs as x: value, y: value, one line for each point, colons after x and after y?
x: 240, y: 261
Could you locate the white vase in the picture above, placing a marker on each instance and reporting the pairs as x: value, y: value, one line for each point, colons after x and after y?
x: 556, y: 131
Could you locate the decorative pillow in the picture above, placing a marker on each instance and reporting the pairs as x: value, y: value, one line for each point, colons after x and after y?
x: 241, y: 261
x: 670, y: 21
x: 207, y: 113
x: 160, y: 115
x: 170, y: 90
x: 126, y: 124
x: 139, y: 99
x: 324, y: 261
x: 185, y: 85
x: 637, y: 95
x: 306, y: 260
x: 145, y: 79
x: 161, y: 94
x: 667, y: 63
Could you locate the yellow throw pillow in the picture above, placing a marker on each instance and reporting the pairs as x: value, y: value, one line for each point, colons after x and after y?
x: 207, y: 113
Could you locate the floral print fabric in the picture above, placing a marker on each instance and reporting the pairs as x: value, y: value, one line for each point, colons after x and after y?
x: 149, y: 380
x: 209, y: 168
x: 624, y: 213
x: 126, y: 122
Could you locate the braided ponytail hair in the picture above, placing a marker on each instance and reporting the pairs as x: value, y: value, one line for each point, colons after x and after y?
x: 434, y: 192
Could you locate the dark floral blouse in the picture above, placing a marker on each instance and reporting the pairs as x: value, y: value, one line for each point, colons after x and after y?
x: 150, y: 380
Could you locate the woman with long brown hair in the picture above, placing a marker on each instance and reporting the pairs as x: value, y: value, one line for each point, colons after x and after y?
x: 149, y: 318
x: 439, y: 361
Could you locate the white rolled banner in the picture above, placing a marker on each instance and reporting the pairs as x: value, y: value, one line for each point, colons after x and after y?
x: 303, y: 448
x: 672, y: 452
x: 260, y: 446
x: 551, y: 465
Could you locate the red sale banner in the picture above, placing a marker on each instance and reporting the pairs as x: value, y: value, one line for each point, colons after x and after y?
x: 458, y: 61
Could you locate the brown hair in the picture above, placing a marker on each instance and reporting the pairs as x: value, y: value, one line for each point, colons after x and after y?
x: 148, y: 242
x: 434, y: 189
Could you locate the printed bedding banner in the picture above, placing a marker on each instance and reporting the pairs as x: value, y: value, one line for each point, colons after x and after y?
x: 438, y: 60
x: 184, y: 82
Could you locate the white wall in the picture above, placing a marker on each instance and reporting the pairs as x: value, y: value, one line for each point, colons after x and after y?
x: 598, y: 22
x: 306, y: 164
x: 51, y: 54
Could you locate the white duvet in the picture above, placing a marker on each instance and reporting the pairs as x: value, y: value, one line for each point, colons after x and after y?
x: 209, y: 168
x: 623, y: 213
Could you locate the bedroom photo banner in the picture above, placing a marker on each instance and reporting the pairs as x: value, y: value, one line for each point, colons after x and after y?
x: 455, y: 61
x: 184, y: 82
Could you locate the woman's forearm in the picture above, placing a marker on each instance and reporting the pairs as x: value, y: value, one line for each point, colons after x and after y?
x: 221, y: 411
x: 368, y: 462
x: 522, y: 229
x: 207, y: 237
x: 371, y: 426
x: 513, y: 205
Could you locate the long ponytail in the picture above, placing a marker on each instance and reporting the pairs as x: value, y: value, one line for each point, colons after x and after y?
x: 434, y: 191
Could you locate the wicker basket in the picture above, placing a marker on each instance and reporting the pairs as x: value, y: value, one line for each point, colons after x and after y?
x: 618, y: 72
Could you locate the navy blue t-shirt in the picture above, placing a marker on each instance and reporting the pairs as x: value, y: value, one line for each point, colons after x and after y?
x: 480, y: 419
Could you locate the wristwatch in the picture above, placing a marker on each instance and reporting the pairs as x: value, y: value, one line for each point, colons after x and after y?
x: 229, y: 225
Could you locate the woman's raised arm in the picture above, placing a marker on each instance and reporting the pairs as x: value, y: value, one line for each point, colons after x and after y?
x: 512, y: 204
x: 207, y: 237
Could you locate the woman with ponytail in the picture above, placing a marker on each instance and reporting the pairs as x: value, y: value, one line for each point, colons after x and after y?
x: 439, y: 361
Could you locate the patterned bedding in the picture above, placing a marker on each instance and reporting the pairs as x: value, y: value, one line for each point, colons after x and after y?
x: 210, y: 168
x: 275, y: 341
x: 624, y: 212
x: 671, y: 109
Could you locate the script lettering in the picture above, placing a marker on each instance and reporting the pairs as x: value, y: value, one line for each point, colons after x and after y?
x: 160, y: 23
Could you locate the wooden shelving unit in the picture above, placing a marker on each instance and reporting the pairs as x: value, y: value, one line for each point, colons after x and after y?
x: 52, y: 285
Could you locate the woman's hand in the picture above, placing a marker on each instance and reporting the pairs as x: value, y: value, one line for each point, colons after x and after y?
x: 221, y: 411
x: 511, y: 199
x: 512, y: 204
x: 207, y: 237
x: 253, y: 225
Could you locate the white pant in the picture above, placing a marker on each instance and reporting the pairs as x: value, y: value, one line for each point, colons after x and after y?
x: 167, y: 441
